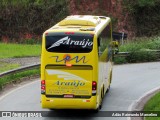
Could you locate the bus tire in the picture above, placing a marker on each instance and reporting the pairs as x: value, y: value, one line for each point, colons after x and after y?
x: 102, y: 92
x: 99, y: 106
x: 110, y: 77
x: 108, y: 89
x: 97, y: 110
x: 102, y: 96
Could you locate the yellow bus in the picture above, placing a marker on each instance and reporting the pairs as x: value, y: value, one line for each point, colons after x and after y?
x: 76, y: 63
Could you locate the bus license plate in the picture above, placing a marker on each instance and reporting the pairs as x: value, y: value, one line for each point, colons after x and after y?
x: 68, y: 96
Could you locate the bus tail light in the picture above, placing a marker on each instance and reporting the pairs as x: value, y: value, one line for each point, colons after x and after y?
x: 94, y: 87
x: 46, y: 34
x: 43, y: 86
x: 68, y: 33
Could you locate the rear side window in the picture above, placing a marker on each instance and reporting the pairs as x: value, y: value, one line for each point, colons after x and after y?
x: 69, y: 43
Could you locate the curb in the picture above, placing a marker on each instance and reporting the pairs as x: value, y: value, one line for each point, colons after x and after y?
x: 139, y: 104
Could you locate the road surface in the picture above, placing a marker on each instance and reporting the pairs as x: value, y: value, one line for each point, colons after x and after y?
x: 129, y: 83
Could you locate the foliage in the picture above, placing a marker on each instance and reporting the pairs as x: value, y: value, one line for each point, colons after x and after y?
x: 146, y: 16
x: 141, y: 56
x: 133, y: 5
x: 28, y: 19
x: 141, y: 43
x: 140, y: 50
x: 119, y: 60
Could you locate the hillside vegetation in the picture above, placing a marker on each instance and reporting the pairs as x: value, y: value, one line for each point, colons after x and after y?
x: 26, y: 20
x: 146, y: 16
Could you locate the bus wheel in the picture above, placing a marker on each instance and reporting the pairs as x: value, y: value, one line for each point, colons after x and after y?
x: 108, y: 89
x: 102, y: 95
x: 99, y: 107
x: 97, y: 110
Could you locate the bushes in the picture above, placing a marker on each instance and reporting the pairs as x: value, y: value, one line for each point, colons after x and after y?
x: 142, y: 43
x: 119, y: 60
x: 140, y: 50
x: 141, y: 56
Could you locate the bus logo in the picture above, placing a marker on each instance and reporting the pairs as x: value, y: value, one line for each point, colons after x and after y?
x: 67, y: 58
x: 58, y: 43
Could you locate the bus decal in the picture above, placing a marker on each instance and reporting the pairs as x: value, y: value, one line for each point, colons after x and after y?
x: 65, y: 75
x: 68, y: 58
x: 68, y: 41
x: 58, y: 43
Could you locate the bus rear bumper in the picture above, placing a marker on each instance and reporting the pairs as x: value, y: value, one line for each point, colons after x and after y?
x: 68, y: 103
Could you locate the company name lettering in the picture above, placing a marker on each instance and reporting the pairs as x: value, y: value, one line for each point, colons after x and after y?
x: 83, y: 43
x: 67, y: 41
x: 74, y: 83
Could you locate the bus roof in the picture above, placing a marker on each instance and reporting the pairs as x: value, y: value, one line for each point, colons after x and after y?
x: 80, y: 23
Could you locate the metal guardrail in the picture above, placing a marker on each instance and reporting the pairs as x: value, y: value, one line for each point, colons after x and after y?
x: 121, y: 54
x: 19, y: 69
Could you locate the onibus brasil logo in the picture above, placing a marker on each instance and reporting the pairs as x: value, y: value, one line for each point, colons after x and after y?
x: 67, y: 41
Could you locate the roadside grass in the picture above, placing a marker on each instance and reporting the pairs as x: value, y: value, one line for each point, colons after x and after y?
x: 17, y: 76
x: 19, y: 50
x: 16, y: 50
x: 153, y: 105
x: 7, y: 66
x: 141, y: 44
x: 139, y: 50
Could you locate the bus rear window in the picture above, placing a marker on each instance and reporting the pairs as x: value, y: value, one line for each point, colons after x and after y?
x: 74, y: 43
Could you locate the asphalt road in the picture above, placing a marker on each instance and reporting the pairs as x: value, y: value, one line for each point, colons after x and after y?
x: 129, y: 83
